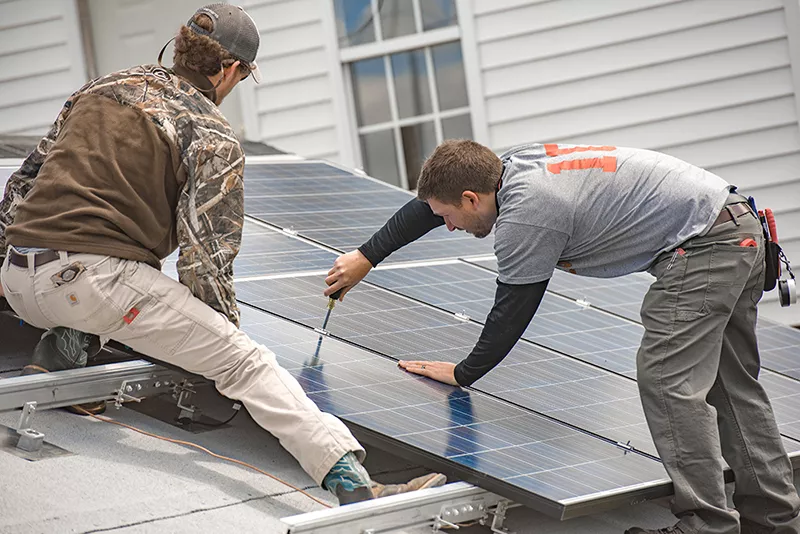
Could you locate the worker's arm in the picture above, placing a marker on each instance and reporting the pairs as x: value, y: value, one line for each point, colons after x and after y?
x: 21, y: 182
x: 513, y: 309
x: 210, y: 216
x: 526, y: 257
x: 409, y: 223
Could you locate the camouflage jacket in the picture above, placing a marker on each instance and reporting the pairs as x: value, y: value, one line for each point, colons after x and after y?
x: 209, y: 165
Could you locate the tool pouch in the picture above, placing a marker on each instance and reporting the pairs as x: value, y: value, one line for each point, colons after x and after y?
x: 773, y: 267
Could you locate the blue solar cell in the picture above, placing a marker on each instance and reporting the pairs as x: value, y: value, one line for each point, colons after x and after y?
x: 342, y: 209
x: 265, y: 251
x: 474, y: 433
x: 783, y: 391
x: 531, y: 376
x: 603, y: 339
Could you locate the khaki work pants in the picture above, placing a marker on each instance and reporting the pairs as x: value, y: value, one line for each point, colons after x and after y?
x: 175, y: 327
x: 698, y: 369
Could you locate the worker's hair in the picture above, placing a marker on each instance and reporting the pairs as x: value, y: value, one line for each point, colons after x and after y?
x: 201, y: 53
x: 458, y: 165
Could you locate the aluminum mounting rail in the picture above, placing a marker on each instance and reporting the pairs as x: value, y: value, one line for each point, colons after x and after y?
x: 428, y: 510
x: 119, y: 381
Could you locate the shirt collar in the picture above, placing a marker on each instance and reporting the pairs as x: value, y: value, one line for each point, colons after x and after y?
x: 202, y: 83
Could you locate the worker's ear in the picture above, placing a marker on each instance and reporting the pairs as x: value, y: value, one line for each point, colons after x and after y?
x: 231, y: 70
x: 471, y: 198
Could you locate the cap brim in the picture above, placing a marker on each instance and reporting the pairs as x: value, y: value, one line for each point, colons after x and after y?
x: 256, y: 72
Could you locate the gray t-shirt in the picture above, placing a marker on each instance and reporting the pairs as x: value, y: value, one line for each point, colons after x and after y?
x: 597, y: 211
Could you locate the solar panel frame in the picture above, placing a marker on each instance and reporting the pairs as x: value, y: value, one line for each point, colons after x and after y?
x: 422, y: 420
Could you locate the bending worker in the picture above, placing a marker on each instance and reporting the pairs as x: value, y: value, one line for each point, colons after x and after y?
x: 137, y: 164
x: 604, y: 211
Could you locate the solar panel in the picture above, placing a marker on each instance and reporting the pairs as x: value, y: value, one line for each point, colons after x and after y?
x: 774, y: 356
x: 342, y: 209
x: 266, y: 251
x: 524, y: 456
x: 560, y: 324
x: 778, y: 344
x: 532, y: 377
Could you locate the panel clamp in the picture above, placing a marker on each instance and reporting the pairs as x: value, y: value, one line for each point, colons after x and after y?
x: 627, y: 447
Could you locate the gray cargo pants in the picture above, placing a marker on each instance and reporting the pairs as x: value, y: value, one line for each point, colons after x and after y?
x: 698, y: 369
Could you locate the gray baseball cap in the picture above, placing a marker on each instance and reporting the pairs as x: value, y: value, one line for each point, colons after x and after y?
x: 234, y: 30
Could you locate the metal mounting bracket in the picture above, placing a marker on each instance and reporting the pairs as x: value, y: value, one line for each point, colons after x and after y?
x: 500, y: 518
x: 452, y: 514
x: 134, y: 390
x: 30, y: 440
x: 184, y: 392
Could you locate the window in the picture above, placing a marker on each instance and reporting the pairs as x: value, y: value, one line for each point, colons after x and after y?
x: 406, y: 75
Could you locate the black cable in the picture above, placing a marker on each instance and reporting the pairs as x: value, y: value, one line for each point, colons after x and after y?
x: 185, y: 421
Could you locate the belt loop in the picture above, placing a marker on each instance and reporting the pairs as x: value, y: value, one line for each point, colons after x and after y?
x: 733, y: 215
x: 62, y: 255
x: 31, y: 261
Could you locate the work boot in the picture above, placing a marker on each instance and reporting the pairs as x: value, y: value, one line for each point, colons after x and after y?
x: 431, y: 480
x: 674, y: 529
x: 60, y: 349
x: 348, y: 480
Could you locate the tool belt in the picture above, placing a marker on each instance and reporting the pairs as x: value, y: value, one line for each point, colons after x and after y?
x: 773, y: 253
x: 39, y: 259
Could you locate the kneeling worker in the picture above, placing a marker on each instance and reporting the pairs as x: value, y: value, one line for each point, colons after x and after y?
x: 137, y: 164
x: 605, y: 211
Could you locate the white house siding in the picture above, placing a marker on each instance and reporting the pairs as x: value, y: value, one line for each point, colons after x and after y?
x: 704, y: 80
x: 293, y: 107
x: 41, y: 62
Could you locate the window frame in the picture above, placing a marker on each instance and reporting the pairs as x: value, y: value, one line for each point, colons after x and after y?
x: 424, y: 40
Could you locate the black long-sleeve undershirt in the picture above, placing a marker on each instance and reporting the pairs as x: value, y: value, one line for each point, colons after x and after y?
x: 514, y: 305
x: 513, y: 309
x: 408, y: 224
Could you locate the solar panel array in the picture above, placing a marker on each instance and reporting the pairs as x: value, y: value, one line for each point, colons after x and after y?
x: 572, y: 328
x: 538, y: 461
x: 558, y: 425
x: 341, y: 209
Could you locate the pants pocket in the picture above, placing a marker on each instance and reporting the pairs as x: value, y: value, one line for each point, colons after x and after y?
x: 17, y: 304
x: 691, y: 283
x: 83, y: 304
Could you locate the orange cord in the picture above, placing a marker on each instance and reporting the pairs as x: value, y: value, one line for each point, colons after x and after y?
x: 196, y: 446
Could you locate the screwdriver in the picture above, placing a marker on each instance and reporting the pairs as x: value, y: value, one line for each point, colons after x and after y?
x: 331, y: 304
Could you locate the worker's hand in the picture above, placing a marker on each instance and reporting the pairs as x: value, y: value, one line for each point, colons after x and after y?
x: 2, y: 294
x: 444, y: 372
x: 348, y: 270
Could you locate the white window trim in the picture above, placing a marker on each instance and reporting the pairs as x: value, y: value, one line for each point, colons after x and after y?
x: 792, y: 16
x: 399, y: 44
x: 416, y: 119
x: 340, y: 58
x: 346, y: 134
x: 472, y: 71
